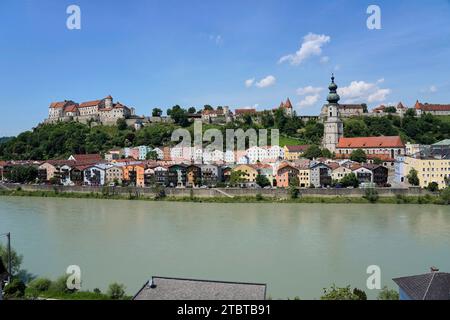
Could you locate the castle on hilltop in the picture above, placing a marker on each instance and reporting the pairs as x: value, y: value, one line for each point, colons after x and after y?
x: 104, y: 111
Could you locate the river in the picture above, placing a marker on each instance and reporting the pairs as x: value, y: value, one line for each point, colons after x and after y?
x: 297, y: 249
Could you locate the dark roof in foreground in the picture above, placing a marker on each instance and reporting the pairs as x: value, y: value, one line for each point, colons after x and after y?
x: 429, y: 286
x: 191, y: 289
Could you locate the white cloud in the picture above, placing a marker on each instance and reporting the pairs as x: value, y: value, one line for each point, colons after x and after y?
x: 309, y: 90
x: 311, y: 46
x: 249, y: 82
x: 255, y: 106
x: 266, y: 82
x: 433, y: 89
x: 309, y: 101
x: 361, y: 91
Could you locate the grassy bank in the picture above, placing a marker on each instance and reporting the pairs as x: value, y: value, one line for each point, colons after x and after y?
x: 399, y: 199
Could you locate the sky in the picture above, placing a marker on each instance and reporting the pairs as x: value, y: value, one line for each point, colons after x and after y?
x: 242, y: 54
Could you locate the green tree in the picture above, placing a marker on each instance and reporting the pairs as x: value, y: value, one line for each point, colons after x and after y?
x: 358, y: 155
x: 336, y: 293
x: 192, y: 110
x: 237, y: 177
x: 294, y: 192
x: 16, y: 259
x: 156, y: 112
x: 208, y: 107
x: 377, y: 161
x: 262, y: 181
x: 122, y: 124
x: 386, y: 294
x: 152, y: 155
x: 40, y: 284
x: 355, y: 128
x: 413, y: 178
x: 15, y: 290
x: 350, y: 180
x: 390, y: 109
x: 445, y: 196
x: 313, y: 152
x: 433, y: 187
x: 116, y: 291
x: 22, y: 174
x: 179, y: 116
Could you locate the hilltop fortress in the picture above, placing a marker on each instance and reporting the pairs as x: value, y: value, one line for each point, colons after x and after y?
x: 104, y: 111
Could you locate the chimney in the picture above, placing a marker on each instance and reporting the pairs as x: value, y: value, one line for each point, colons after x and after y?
x: 151, y: 284
x: 434, y: 269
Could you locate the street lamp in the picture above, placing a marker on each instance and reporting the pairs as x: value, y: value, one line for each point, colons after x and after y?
x: 8, y: 236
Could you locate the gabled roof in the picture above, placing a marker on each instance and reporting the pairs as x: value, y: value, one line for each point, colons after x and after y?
x: 86, y: 158
x: 371, y: 142
x: 89, y: 103
x: 431, y: 107
x: 429, y: 286
x: 160, y: 288
x: 300, y: 148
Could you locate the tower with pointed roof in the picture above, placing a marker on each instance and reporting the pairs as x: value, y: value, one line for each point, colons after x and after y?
x: 333, y: 125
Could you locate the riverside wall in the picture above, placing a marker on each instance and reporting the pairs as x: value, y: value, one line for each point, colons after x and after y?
x: 221, y: 192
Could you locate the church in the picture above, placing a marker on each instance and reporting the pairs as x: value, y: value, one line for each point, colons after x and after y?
x: 384, y: 148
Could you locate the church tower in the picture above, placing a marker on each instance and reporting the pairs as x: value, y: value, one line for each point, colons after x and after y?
x: 333, y: 125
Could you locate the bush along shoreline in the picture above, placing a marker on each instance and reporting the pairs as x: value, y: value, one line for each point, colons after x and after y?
x: 371, y: 197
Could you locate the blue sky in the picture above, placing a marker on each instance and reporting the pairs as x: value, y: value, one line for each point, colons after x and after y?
x: 150, y: 54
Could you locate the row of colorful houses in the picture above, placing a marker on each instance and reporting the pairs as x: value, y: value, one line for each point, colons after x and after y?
x: 92, y: 170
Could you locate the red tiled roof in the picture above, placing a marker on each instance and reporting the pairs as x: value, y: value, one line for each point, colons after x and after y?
x: 244, y: 111
x: 89, y: 103
x: 61, y: 104
x: 333, y: 165
x: 371, y: 142
x: 87, y: 158
x: 72, y: 108
x: 432, y: 107
x: 300, y: 148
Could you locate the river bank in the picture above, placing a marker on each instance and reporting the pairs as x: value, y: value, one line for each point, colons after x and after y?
x: 257, y: 197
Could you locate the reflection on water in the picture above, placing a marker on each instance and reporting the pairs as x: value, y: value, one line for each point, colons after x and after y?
x: 297, y: 249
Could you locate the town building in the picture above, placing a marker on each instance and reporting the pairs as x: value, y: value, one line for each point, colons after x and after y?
x: 304, y: 176
x: 159, y: 288
x: 287, y: 108
x: 320, y: 175
x: 428, y: 170
x: 104, y: 111
x: 134, y: 174
x: 114, y: 174
x: 286, y: 175
x: 95, y: 175
x: 161, y: 175
x: 249, y: 172
x: 177, y: 175
x: 292, y: 153
x: 193, y: 176
x: 211, y: 174
x: 373, y: 146
x: 433, y: 109
x: 221, y: 115
x: 339, y: 172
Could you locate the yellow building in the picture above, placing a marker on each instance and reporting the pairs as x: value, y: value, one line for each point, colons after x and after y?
x: 304, y: 177
x: 292, y: 153
x: 428, y: 170
x: 250, y: 172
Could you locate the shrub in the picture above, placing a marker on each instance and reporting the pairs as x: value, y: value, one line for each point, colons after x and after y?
x: 15, y: 290
x: 60, y: 285
x: 386, y: 294
x: 40, y: 284
x: 116, y: 291
x: 445, y: 196
x: 433, y: 187
x: 371, y: 195
x: 335, y: 293
x: 259, y: 197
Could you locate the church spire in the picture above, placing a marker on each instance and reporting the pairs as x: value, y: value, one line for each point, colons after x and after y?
x: 333, y: 97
